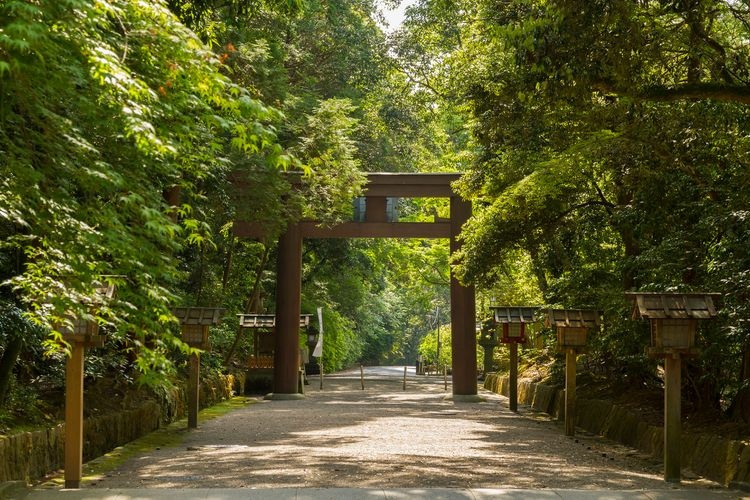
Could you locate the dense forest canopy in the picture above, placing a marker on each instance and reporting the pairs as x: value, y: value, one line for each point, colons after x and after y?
x: 604, y: 145
x: 614, y: 155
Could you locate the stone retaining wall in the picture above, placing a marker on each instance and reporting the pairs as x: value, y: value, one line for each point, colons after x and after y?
x: 723, y: 460
x: 28, y: 456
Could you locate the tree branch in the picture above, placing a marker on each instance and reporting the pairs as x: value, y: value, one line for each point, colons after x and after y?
x: 718, y: 92
x: 608, y: 205
x: 424, y: 83
x: 593, y: 203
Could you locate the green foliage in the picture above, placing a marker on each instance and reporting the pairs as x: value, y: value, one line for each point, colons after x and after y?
x: 513, y: 282
x: 612, y: 158
x: 326, y: 148
x: 431, y: 353
x: 105, y: 106
x: 25, y: 410
x: 341, y: 347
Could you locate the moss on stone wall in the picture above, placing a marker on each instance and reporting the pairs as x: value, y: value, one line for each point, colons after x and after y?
x: 28, y: 456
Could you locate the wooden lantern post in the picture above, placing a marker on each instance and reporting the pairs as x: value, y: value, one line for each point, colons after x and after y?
x: 572, y: 327
x: 674, y: 318
x: 80, y: 334
x: 513, y: 321
x: 194, y: 324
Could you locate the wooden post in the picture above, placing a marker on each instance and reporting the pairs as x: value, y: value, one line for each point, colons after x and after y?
x: 74, y: 416
x: 463, y: 313
x: 513, y: 375
x: 193, y: 390
x: 288, y: 302
x: 376, y: 209
x: 404, y: 378
x: 320, y: 363
x: 570, y: 392
x: 362, y: 376
x: 672, y: 418
x: 445, y: 377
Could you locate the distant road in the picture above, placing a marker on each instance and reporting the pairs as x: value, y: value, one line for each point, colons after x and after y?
x: 394, y: 372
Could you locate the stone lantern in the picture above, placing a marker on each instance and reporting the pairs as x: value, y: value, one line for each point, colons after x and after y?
x: 488, y: 341
x: 311, y: 365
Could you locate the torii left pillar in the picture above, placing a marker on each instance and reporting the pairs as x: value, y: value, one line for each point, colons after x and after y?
x: 463, y: 312
x: 288, y: 307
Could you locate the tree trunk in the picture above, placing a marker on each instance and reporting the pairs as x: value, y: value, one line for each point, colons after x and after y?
x: 172, y: 197
x: 745, y: 368
x: 228, y: 264
x: 538, y: 270
x: 251, y: 304
x: 694, y: 20
x: 7, y: 362
x: 631, y: 244
x: 201, y: 272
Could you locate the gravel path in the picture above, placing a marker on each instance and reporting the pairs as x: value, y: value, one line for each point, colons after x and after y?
x: 385, y: 437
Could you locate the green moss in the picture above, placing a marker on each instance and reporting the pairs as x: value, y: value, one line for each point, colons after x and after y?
x: 169, y: 436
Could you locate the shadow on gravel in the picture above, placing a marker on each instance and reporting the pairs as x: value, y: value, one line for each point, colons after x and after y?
x: 384, y: 437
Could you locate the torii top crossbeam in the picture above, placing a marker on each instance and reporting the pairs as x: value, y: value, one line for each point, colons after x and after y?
x: 378, y: 188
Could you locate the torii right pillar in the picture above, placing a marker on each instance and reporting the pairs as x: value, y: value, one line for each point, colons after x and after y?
x: 288, y: 307
x: 463, y: 313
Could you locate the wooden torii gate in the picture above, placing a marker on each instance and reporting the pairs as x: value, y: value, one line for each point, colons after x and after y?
x: 379, y: 187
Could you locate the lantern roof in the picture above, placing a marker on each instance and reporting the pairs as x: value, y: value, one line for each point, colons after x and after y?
x: 268, y: 320
x: 514, y: 314
x: 257, y: 320
x: 573, y: 318
x: 655, y: 305
x: 198, y: 315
